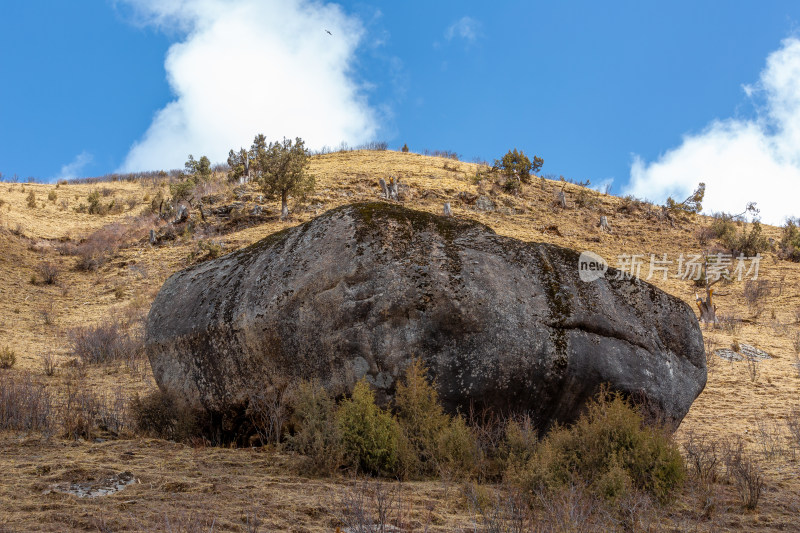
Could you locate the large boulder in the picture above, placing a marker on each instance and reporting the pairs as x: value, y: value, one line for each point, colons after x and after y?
x: 363, y: 289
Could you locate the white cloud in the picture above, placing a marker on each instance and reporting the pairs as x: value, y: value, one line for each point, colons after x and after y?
x: 253, y: 66
x: 466, y: 28
x: 739, y: 160
x: 73, y: 170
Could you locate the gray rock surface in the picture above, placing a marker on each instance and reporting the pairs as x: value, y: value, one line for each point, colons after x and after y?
x: 484, y: 203
x: 363, y: 289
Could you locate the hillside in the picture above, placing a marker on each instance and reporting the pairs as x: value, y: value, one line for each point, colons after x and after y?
x: 37, y: 318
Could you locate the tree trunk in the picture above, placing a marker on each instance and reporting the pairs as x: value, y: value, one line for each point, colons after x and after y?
x: 284, y: 206
x: 708, y: 311
x: 447, y: 211
x: 562, y: 199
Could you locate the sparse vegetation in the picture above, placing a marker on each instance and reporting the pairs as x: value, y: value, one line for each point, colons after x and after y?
x: 746, y: 474
x: 49, y: 363
x: 611, y: 449
x: 793, y: 425
x: 631, y: 205
x: 48, y: 313
x: 317, y: 435
x: 268, y: 409
x: 204, y: 250
x: 99, y: 246
x: 756, y: 293
x: 790, y: 240
x: 691, y: 205
x: 516, y: 168
x: 163, y: 416
x: 748, y: 242
x: 300, y: 432
x: 106, y: 343
x: 8, y: 357
x: 49, y: 272
x: 24, y: 405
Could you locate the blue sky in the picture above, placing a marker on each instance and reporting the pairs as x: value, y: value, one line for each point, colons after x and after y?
x: 655, y: 96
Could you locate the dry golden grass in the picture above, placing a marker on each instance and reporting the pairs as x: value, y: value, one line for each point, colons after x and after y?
x: 227, y: 484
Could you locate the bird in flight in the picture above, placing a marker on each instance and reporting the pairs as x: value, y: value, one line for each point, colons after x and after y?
x: 329, y: 33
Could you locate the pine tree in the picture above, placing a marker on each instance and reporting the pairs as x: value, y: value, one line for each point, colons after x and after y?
x: 517, y: 168
x: 282, y: 167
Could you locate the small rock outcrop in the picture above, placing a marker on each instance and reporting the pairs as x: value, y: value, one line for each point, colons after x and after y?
x: 362, y: 289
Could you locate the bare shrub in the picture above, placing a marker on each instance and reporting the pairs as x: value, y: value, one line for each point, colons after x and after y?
x: 751, y: 364
x: 113, y: 414
x: 48, y: 313
x: 489, y: 431
x: 8, y: 357
x: 84, y: 412
x: 745, y: 473
x: 49, y: 363
x: 106, y: 343
x: 635, y: 512
x: 571, y: 508
x: 91, y: 255
x: 793, y: 425
x: 729, y: 323
x: 756, y: 294
x: 49, y: 272
x: 25, y: 405
x: 503, y: 511
x: 769, y: 436
x: 268, y: 409
x: 710, y: 342
x: 705, y: 234
x: 78, y: 411
x: 191, y: 522
x: 164, y: 416
x: 703, y: 457
x: 372, y: 506
x: 631, y: 205
x: 99, y: 246
x: 521, y: 439
x: 448, y: 154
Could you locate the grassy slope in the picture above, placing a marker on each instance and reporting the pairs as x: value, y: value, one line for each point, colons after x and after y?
x: 731, y: 404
